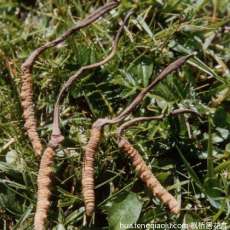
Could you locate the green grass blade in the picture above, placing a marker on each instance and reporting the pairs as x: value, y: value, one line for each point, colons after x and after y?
x: 210, y: 167
x: 191, y: 172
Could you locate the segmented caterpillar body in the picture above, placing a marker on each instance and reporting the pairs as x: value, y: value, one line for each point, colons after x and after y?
x: 28, y: 112
x: 147, y: 176
x: 88, y: 170
x: 44, y: 182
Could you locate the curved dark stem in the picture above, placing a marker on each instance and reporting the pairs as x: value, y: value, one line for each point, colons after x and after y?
x: 26, y: 93
x: 137, y: 120
x: 137, y: 100
x: 169, y: 69
x: 132, y: 122
x: 56, y: 137
x: 181, y: 111
x: 81, y: 24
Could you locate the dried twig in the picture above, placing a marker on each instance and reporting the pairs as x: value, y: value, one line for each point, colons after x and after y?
x: 88, y: 172
x: 26, y: 68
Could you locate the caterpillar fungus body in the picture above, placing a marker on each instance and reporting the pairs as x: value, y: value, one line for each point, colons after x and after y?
x: 57, y: 138
x: 88, y: 166
x: 44, y: 182
x: 147, y: 176
x: 28, y: 111
x: 90, y: 150
x: 26, y: 69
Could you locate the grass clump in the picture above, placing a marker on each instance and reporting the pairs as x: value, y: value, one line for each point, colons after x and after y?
x: 189, y: 156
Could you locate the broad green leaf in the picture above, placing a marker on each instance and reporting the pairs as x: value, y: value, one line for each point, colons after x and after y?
x: 212, y: 187
x: 145, y: 26
x: 124, y: 210
x: 145, y: 70
x: 192, y: 221
x: 223, y: 132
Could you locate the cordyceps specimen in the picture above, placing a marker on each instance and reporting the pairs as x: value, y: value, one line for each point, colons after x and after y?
x: 97, y: 128
x: 26, y: 69
x: 44, y: 181
x: 143, y: 171
x: 44, y: 174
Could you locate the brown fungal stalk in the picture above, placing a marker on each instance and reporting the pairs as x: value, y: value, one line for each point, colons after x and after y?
x: 88, y: 172
x: 143, y: 171
x: 44, y: 177
x: 26, y: 71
